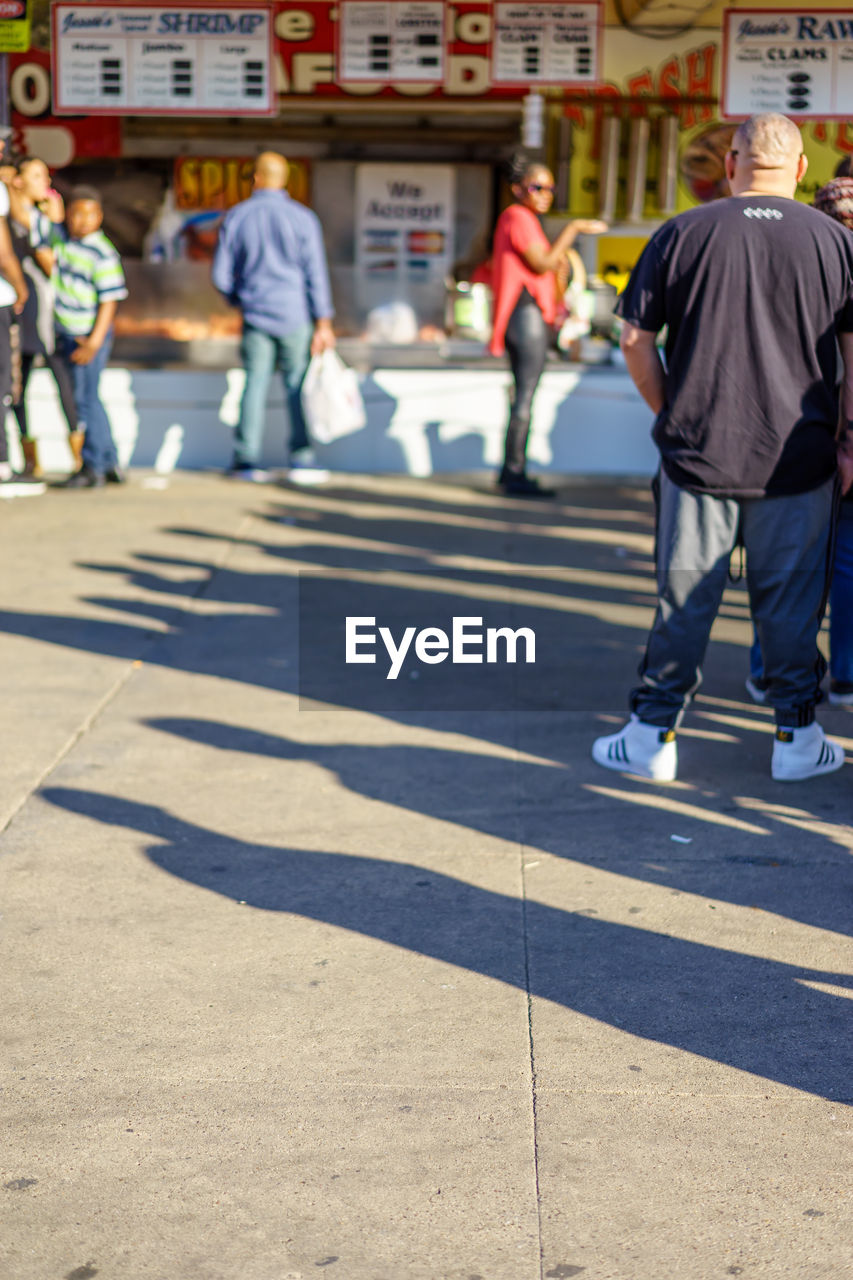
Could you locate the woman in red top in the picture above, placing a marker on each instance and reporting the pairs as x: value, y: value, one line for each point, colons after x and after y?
x: 525, y: 267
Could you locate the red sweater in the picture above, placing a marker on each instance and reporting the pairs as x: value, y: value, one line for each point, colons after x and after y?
x: 518, y: 228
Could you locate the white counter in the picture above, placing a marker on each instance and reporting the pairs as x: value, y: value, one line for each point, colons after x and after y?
x: 587, y: 421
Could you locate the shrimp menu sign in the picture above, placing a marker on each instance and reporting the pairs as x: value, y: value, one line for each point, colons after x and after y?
x: 156, y: 60
x: 796, y: 61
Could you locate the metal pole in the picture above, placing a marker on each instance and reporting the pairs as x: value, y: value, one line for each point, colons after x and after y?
x: 611, y: 137
x: 638, y: 156
x: 4, y: 91
x: 668, y: 165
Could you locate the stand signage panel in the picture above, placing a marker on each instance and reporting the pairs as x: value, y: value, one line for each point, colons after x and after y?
x: 179, y: 60
x: 14, y: 26
x: 401, y: 41
x: 795, y: 61
x: 404, y: 217
x: 541, y: 44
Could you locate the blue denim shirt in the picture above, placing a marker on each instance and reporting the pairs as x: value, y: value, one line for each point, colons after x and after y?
x: 270, y: 262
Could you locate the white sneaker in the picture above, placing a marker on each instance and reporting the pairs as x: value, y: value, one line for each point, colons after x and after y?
x: 304, y: 469
x: 804, y: 753
x: 251, y: 475
x: 646, y: 749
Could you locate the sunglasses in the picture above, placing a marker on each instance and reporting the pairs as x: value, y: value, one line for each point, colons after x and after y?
x: 538, y: 186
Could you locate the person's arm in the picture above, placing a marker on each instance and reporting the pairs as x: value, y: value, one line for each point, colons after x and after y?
x: 222, y: 269
x: 540, y: 259
x: 845, y: 435
x: 88, y: 347
x: 44, y: 234
x: 318, y: 288
x: 323, y: 337
x: 639, y: 346
x: 10, y: 267
x: 45, y: 258
x: 52, y: 206
x: 109, y: 282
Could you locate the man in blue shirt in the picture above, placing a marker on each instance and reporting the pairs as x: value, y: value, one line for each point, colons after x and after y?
x: 270, y: 263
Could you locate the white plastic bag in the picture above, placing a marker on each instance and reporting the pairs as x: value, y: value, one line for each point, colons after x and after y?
x: 331, y: 399
x: 394, y: 323
x: 579, y: 303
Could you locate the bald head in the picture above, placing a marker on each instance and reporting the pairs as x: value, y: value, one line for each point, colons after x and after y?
x: 271, y: 171
x: 769, y: 141
x: 766, y: 156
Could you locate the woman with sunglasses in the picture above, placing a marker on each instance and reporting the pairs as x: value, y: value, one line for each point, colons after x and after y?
x: 526, y: 267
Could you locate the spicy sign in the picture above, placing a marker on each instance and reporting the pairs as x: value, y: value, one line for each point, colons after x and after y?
x: 216, y: 182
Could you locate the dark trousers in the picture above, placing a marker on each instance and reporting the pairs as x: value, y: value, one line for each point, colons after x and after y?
x: 6, y: 318
x: 64, y: 385
x: 527, y: 340
x: 788, y: 546
x: 99, y: 451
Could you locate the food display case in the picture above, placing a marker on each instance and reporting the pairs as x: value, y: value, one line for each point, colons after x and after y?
x: 396, y: 236
x: 173, y: 314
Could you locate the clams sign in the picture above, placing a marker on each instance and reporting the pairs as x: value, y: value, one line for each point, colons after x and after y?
x: 798, y: 62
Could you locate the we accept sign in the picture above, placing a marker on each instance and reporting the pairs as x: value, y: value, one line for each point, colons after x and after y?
x: 404, y: 220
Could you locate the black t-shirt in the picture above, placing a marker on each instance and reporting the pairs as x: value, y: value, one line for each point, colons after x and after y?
x: 753, y: 291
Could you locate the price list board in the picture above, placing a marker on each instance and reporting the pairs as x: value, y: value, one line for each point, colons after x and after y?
x: 193, y: 59
x: 14, y: 26
x: 553, y: 44
x: 795, y: 61
x: 401, y: 41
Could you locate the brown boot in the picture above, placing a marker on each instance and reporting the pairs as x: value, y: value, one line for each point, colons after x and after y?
x: 31, y: 458
x: 75, y: 443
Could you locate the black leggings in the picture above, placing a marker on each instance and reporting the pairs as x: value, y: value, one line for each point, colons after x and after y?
x: 63, y: 382
x: 527, y: 340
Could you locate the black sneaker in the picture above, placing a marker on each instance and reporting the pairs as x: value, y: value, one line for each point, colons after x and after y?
x: 114, y: 476
x: 85, y: 478
x: 13, y: 485
x: 841, y: 693
x: 523, y: 486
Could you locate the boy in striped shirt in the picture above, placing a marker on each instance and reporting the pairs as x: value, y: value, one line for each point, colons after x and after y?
x: 89, y: 282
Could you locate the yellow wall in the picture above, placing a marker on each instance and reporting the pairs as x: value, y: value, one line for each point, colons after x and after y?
x: 695, y: 11
x: 637, y: 67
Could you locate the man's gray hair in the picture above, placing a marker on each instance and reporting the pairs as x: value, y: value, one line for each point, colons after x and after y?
x: 769, y: 141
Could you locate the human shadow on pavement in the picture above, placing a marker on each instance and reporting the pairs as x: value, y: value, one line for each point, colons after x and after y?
x: 260, y: 608
x: 599, y: 606
x: 752, y: 1014
x: 757, y: 855
x: 592, y: 624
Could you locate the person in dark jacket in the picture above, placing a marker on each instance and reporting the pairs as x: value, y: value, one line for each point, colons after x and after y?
x: 748, y: 436
x: 836, y: 200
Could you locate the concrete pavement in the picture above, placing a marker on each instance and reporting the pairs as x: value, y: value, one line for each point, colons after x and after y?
x: 419, y: 993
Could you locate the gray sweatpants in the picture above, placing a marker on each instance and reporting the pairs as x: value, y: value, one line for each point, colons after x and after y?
x: 787, y: 544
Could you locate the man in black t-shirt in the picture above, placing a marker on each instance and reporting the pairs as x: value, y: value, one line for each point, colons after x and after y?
x: 756, y: 293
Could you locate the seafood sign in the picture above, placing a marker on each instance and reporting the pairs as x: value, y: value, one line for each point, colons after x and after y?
x: 799, y: 62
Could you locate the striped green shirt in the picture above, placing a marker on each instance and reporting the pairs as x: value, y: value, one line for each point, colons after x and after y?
x: 86, y: 273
